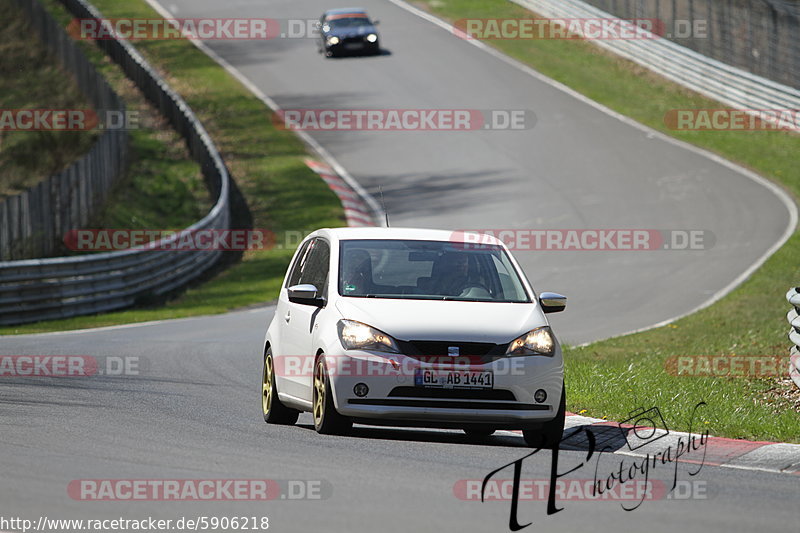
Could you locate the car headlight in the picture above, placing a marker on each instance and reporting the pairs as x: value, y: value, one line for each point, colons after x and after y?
x: 539, y: 341
x: 358, y: 336
x: 372, y: 37
x: 333, y: 39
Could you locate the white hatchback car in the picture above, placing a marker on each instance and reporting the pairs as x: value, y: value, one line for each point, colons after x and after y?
x: 413, y: 327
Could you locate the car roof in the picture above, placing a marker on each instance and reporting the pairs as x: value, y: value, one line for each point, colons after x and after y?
x: 346, y: 11
x: 417, y: 234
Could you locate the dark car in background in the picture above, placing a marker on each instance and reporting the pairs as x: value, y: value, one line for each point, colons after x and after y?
x: 347, y: 31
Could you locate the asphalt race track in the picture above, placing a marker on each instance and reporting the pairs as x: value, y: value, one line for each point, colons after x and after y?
x: 193, y: 412
x: 577, y: 168
x: 190, y: 407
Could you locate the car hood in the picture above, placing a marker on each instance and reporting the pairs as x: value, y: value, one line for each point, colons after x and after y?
x: 438, y: 320
x: 352, y: 32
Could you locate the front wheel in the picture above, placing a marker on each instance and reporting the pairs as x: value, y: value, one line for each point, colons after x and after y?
x: 273, y: 409
x: 549, y: 434
x: 327, y: 420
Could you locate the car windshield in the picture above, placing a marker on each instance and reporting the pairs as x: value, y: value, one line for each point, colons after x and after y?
x: 348, y: 22
x: 428, y: 270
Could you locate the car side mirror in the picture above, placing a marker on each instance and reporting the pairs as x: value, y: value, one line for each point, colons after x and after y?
x: 376, y: 22
x: 552, y: 302
x: 305, y: 294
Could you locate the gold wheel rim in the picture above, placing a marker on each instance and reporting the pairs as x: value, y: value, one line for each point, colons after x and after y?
x: 319, y: 393
x: 266, y: 386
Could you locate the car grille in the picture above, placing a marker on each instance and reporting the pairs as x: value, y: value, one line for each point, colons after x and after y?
x: 477, y: 353
x: 357, y: 39
x: 453, y: 394
x: 451, y: 399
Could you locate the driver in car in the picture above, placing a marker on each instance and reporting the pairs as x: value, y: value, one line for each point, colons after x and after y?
x: 452, y: 274
x: 357, y: 273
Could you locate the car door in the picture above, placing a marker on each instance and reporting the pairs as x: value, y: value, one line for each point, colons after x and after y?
x: 300, y: 319
x: 284, y: 349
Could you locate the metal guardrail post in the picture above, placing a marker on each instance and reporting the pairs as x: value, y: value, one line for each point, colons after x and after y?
x: 793, y: 316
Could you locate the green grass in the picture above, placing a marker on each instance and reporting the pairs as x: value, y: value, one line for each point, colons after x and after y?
x: 613, y: 377
x: 266, y: 162
x: 28, y: 74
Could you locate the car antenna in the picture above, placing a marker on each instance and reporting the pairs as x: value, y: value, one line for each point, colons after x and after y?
x: 383, y: 203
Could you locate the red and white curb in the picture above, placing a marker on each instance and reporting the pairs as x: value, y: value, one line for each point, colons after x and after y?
x: 355, y: 209
x: 726, y: 453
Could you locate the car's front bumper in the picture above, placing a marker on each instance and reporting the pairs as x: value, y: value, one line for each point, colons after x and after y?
x: 394, y: 396
x: 362, y: 47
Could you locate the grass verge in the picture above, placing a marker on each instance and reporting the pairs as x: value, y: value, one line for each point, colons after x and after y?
x: 266, y: 162
x: 28, y: 73
x: 613, y: 377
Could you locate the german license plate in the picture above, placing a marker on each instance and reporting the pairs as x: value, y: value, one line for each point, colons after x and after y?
x: 453, y: 379
x: 353, y: 46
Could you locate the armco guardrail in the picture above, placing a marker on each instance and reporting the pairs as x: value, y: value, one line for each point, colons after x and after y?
x: 31, y: 223
x: 40, y: 289
x: 726, y: 84
x: 759, y: 36
x: 793, y: 297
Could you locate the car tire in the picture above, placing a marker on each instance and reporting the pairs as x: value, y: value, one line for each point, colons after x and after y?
x: 478, y: 433
x: 271, y: 406
x: 327, y: 420
x: 549, y: 434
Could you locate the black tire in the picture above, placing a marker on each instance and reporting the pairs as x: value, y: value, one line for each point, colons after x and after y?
x: 327, y: 421
x: 271, y: 406
x: 478, y: 433
x: 549, y: 434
